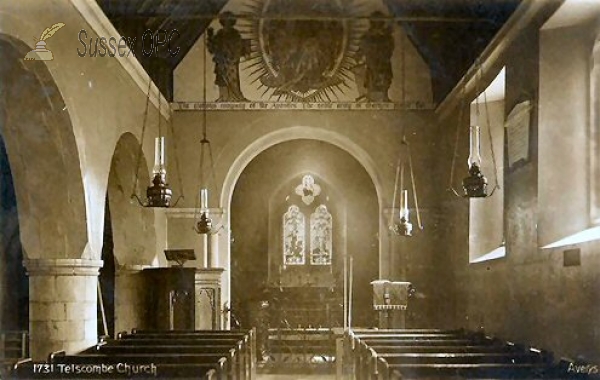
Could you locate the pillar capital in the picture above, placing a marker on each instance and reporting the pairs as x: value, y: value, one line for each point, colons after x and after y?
x: 62, y: 267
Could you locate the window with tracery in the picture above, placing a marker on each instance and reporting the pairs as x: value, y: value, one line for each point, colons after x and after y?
x: 294, y: 236
x: 320, y: 236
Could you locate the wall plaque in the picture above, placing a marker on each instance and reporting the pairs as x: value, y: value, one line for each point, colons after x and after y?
x: 517, y: 131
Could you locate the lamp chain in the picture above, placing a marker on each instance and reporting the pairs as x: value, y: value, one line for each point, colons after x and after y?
x: 414, y: 187
x: 489, y: 127
x: 139, y: 155
x: 458, y: 124
x: 159, y: 128
x: 395, y: 192
x: 204, y: 87
x: 179, y: 180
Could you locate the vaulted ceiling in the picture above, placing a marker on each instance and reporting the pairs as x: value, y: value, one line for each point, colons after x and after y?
x: 449, y: 34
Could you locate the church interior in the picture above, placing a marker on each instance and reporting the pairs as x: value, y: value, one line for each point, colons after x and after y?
x: 299, y: 189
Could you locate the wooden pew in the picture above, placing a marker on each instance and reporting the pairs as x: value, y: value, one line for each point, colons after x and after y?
x: 447, y: 349
x: 216, y: 337
x: 247, y: 359
x: 460, y: 370
x: 448, y: 354
x: 468, y: 358
x: 167, y: 364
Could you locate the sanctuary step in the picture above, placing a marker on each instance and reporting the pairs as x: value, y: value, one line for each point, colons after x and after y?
x: 304, y: 350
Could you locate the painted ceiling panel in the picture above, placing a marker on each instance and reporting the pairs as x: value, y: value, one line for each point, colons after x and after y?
x: 449, y: 34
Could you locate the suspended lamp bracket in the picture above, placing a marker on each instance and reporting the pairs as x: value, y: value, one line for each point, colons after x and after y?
x: 158, y: 194
x: 402, y: 228
x: 204, y: 225
x: 401, y: 225
x: 475, y: 185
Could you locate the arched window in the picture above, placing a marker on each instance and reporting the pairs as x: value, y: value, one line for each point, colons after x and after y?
x: 320, y: 236
x: 293, y: 236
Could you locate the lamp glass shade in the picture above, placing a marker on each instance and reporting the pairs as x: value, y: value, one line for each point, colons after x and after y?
x: 159, y: 156
x: 404, y: 212
x: 204, y: 200
x: 475, y: 147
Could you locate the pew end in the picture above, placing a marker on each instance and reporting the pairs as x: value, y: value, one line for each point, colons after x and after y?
x: 56, y: 354
x: 211, y: 375
x: 22, y: 362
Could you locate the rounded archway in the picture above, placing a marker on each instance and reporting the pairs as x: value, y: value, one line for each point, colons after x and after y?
x: 45, y: 167
x: 43, y: 156
x: 264, y: 191
x: 133, y: 226
x: 129, y: 237
x: 14, y: 296
x: 283, y: 135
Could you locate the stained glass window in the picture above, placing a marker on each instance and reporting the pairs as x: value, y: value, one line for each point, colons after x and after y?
x: 320, y: 236
x: 293, y: 236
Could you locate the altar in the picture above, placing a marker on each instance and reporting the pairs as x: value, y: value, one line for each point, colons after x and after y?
x: 304, y: 307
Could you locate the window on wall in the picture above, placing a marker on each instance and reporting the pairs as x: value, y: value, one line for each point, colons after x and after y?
x: 295, y: 231
x: 310, y: 238
x: 320, y: 236
x: 294, y: 236
x: 486, y: 215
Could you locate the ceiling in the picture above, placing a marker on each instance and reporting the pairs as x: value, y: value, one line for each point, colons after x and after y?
x: 449, y: 34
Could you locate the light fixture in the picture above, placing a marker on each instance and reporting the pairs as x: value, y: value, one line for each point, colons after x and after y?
x: 158, y: 194
x: 203, y: 224
x: 475, y: 185
x: 402, y: 225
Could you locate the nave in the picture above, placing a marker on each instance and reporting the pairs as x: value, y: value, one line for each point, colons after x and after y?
x: 245, y: 188
x: 359, y: 354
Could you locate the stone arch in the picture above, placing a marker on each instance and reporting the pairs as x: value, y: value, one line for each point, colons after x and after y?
x: 131, y: 239
x: 133, y: 225
x: 43, y: 156
x: 266, y: 141
x: 294, y: 133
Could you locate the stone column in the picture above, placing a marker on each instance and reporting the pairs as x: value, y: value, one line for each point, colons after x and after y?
x: 62, y: 305
x: 130, y: 298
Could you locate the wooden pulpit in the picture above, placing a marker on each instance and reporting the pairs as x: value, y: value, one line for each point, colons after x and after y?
x: 181, y: 298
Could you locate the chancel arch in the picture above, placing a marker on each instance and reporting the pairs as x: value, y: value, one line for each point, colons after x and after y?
x: 257, y: 226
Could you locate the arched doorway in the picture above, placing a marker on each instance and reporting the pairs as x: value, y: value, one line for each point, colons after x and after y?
x: 264, y: 192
